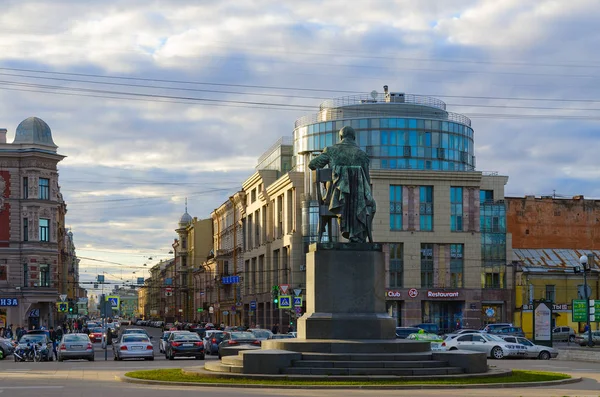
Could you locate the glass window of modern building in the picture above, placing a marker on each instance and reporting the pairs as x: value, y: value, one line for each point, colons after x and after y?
x: 426, y: 208
x: 426, y: 265
x: 395, y: 207
x: 456, y: 265
x: 396, y: 272
x: 456, y: 209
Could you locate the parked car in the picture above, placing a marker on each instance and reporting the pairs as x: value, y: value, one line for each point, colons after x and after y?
x: 582, y: 339
x: 492, y: 345
x: 135, y: 331
x: 533, y: 350
x: 96, y: 334
x: 7, y: 347
x: 515, y: 331
x: 238, y: 341
x: 403, y: 332
x: 38, y: 338
x: 262, y: 334
x: 429, y: 327
x: 75, y: 346
x: 162, y: 343
x: 184, y: 344
x: 462, y: 332
x: 133, y: 346
x: 282, y: 336
x: 212, y: 339
x: 560, y: 334
x: 38, y: 332
x: 490, y: 327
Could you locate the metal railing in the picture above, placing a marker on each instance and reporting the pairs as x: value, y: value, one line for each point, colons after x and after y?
x: 340, y: 113
x: 284, y: 140
x: 381, y: 98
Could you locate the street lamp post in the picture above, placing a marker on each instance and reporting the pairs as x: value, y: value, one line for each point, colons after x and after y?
x: 583, y: 260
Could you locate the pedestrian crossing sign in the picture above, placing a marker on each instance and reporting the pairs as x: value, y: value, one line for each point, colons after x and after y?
x: 285, y: 302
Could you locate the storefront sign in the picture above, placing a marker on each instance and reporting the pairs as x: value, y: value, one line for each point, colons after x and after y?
x: 413, y: 292
x: 555, y: 306
x: 34, y: 313
x: 393, y: 294
x: 442, y: 294
x: 9, y: 302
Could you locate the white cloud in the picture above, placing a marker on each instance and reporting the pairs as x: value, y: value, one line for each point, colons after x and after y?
x: 417, y: 47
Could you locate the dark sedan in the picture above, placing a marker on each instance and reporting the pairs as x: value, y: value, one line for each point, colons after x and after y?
x: 235, y: 341
x: 184, y: 344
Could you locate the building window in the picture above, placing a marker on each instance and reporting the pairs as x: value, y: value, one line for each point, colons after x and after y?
x: 395, y: 207
x: 262, y: 286
x: 456, y: 265
x: 25, y: 274
x: 44, y: 275
x: 493, y: 280
x: 25, y: 187
x: 456, y: 209
x: 486, y: 196
x: 252, y: 196
x: 44, y: 229
x: 276, y: 267
x: 25, y: 229
x: 426, y: 265
x: 396, y: 265
x: 3, y: 273
x: 551, y: 293
x: 426, y: 207
x: 44, y: 189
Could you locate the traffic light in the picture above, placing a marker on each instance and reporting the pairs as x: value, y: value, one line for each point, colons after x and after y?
x: 275, y: 294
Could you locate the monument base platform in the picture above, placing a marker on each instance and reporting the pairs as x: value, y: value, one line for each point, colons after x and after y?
x: 345, y: 287
x: 402, y: 358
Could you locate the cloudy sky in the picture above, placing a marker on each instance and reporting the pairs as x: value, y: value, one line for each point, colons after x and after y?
x: 156, y: 101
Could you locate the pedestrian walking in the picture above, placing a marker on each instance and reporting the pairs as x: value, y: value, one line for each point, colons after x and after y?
x: 53, y: 340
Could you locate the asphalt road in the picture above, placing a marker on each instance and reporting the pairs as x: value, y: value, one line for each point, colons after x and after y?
x: 90, y: 379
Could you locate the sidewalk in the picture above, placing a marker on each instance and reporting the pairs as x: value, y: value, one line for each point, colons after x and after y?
x: 574, y: 352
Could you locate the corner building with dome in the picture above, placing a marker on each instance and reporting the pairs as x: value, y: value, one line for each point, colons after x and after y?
x: 31, y: 227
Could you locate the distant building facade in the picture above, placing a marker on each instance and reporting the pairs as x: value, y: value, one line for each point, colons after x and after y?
x: 549, y: 236
x: 30, y: 206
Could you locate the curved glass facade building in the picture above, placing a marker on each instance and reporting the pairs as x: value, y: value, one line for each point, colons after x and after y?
x: 397, y: 130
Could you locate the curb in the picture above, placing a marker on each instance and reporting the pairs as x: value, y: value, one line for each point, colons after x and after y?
x: 127, y: 379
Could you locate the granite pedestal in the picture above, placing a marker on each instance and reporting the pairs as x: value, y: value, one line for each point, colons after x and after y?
x: 345, y: 293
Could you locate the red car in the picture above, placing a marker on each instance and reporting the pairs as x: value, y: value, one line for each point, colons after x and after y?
x: 96, y: 334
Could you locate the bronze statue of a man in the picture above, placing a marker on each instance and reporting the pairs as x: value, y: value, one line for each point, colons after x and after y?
x: 349, y: 195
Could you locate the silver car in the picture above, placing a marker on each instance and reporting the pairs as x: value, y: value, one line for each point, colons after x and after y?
x: 533, y: 351
x: 75, y: 346
x: 492, y: 345
x: 133, y: 346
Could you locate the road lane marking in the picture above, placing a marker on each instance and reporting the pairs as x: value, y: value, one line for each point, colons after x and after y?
x: 2, y: 388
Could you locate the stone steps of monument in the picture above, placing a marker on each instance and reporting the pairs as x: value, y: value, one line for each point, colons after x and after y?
x: 217, y: 366
x: 367, y: 356
x: 368, y: 364
x: 233, y: 360
x: 374, y: 371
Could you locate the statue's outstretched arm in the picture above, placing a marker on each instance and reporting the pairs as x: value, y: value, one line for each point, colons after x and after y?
x: 320, y: 161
